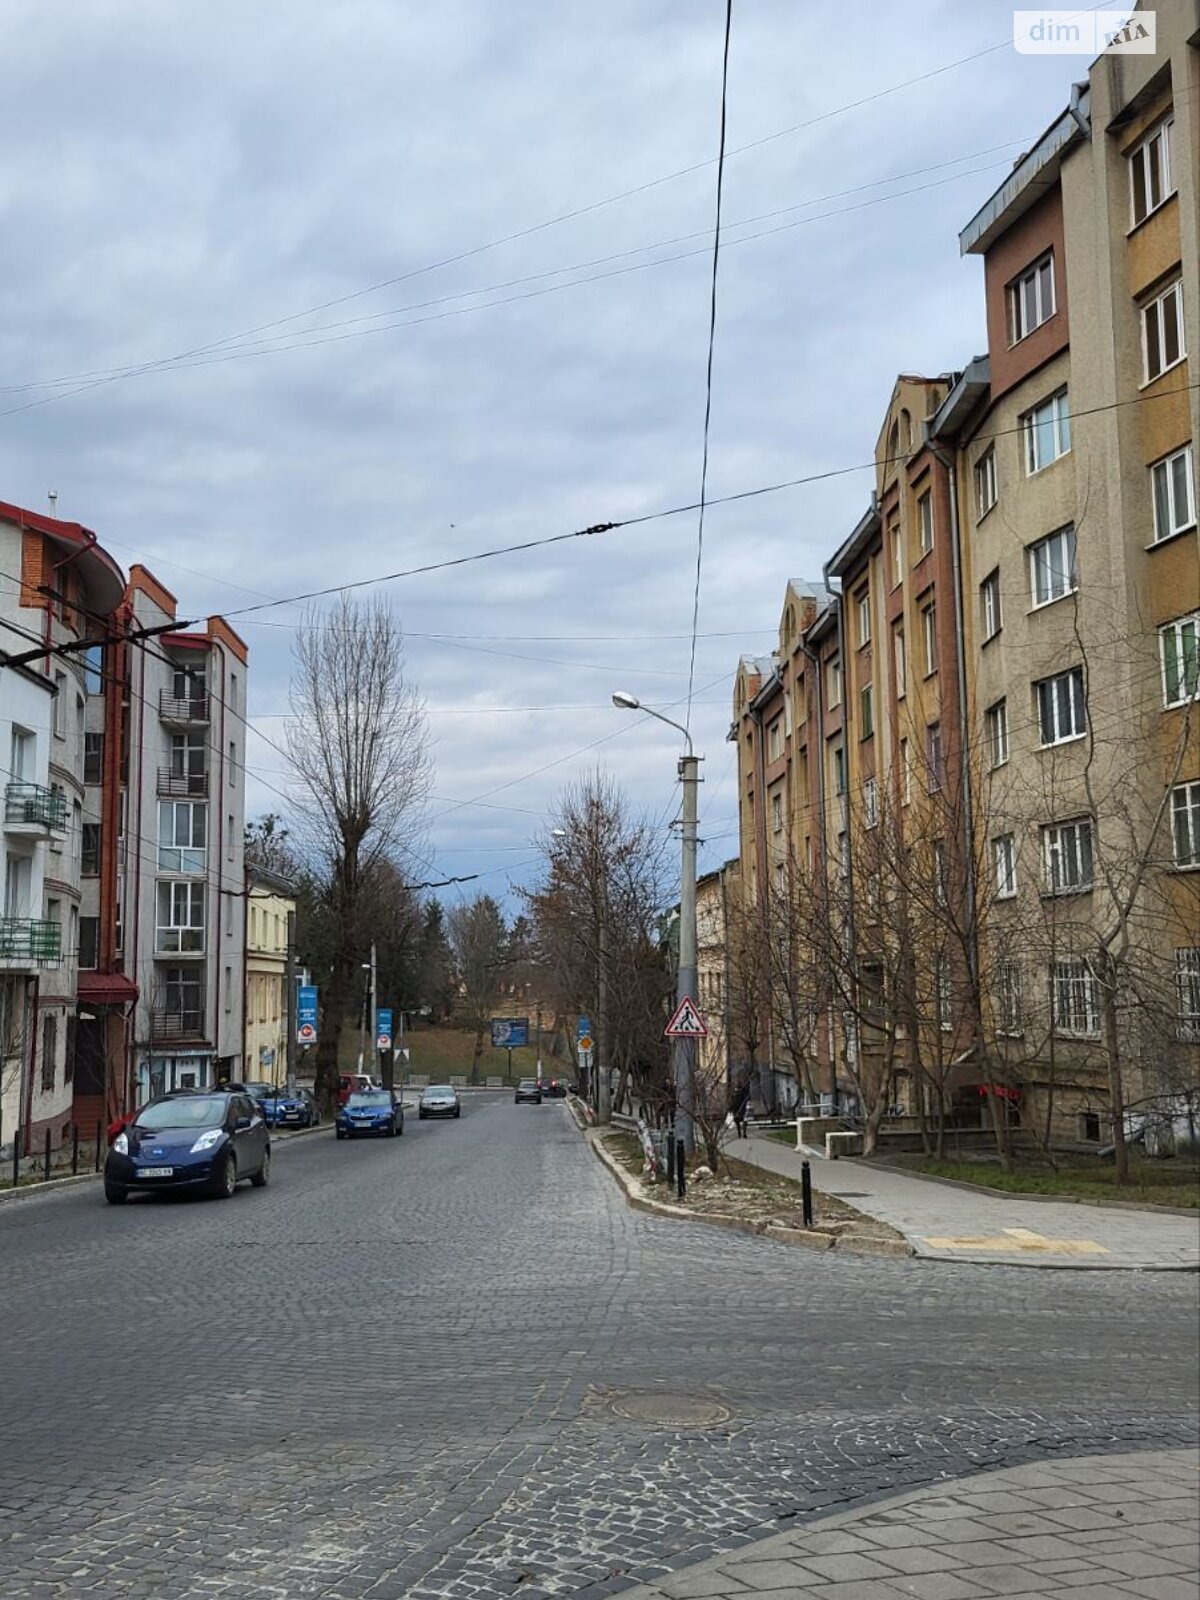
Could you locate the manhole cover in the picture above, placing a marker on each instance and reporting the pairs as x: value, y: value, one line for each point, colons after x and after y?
x: 671, y: 1410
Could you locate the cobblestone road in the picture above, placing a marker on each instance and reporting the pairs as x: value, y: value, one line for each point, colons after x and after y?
x: 398, y: 1372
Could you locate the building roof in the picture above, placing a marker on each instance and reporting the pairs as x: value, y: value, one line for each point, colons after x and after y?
x: 102, y: 576
x: 960, y: 404
x: 866, y: 529
x: 275, y: 881
x: 1034, y: 173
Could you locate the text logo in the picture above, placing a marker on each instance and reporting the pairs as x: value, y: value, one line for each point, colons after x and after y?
x: 1084, y: 33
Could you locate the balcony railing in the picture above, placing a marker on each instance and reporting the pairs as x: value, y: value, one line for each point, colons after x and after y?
x: 28, y: 939
x: 186, y: 709
x: 187, y: 1024
x: 33, y: 805
x: 182, y: 785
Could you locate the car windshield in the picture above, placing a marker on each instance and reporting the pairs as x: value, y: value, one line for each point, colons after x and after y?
x: 528, y: 1083
x: 376, y: 1097
x: 185, y: 1111
x: 262, y: 1089
x: 441, y: 1090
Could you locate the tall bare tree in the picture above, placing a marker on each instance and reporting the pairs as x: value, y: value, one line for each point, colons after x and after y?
x: 478, y: 937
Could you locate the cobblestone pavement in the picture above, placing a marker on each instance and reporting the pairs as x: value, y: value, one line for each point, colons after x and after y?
x: 951, y: 1223
x: 421, y: 1366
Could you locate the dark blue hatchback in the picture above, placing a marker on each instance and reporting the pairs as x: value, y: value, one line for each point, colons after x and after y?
x: 201, y: 1141
x: 370, y: 1111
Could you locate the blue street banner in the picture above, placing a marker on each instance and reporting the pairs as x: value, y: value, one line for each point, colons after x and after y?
x: 306, y: 1014
x: 584, y: 1028
x: 510, y: 1033
x: 383, y: 1029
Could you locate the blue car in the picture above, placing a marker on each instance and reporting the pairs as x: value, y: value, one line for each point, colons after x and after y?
x: 291, y: 1108
x: 206, y: 1140
x: 370, y: 1111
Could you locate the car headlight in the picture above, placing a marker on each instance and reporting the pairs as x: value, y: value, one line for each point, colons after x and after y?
x: 207, y: 1139
x: 121, y: 1144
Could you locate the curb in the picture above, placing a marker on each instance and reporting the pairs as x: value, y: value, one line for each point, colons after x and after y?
x: 809, y: 1239
x: 1020, y: 1194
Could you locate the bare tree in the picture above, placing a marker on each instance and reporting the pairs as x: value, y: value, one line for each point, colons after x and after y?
x: 358, y: 744
x: 478, y: 937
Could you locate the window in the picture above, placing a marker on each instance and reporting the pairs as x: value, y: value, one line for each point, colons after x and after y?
x: 839, y: 770
x: 933, y: 757
x: 228, y: 915
x: 89, y: 853
x: 58, y: 715
x: 1089, y: 1126
x: 1067, y: 856
x: 867, y: 704
x: 1062, y: 708
x: 76, y: 826
x: 896, y: 548
x: 232, y: 764
x: 1031, y: 299
x: 228, y: 990
x: 89, y: 942
x: 1173, y: 491
x: 1185, y: 824
x: 188, y: 751
x: 1005, y: 851
x: 905, y: 773
x: 233, y: 691
x: 929, y: 636
x: 900, y: 658
x: 1008, y: 997
x: 996, y: 720
x: 1074, y: 1003
x: 940, y: 878
x: 182, y: 835
x: 925, y: 521
x: 180, y: 917
x: 775, y: 740
x: 1162, y: 332
x: 835, y: 683
x: 777, y: 813
x: 93, y: 758
x: 49, y: 1050
x: 93, y: 668
x: 229, y: 838
x: 1150, y: 172
x: 24, y: 753
x: 183, y: 998
x: 989, y: 605
x: 1047, y: 432
x: 871, y: 803
x: 1052, y: 572
x: 1180, y: 646
x: 1187, y: 980
x: 863, y: 604
x: 945, y: 995
x: 985, y: 482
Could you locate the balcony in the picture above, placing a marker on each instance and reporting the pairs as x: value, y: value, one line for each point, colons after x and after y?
x: 182, y: 785
x: 31, y: 808
x: 187, y: 1024
x: 26, y: 941
x: 188, y: 711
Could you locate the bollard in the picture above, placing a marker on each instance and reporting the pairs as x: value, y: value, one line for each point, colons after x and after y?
x: 46, y: 1164
x: 670, y: 1143
x: 96, y: 1168
x: 74, y: 1149
x: 16, y: 1157
x: 806, y: 1193
x: 680, y: 1166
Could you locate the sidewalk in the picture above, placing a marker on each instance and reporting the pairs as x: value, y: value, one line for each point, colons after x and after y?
x: 951, y: 1224
x: 1097, y: 1528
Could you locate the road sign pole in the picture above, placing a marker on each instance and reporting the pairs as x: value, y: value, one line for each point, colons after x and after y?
x: 289, y: 1004
x: 685, y: 1048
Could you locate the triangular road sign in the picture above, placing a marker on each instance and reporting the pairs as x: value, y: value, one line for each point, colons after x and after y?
x: 687, y: 1023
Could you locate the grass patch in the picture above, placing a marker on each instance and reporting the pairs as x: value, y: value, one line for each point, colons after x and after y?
x: 1171, y: 1182
x: 442, y: 1052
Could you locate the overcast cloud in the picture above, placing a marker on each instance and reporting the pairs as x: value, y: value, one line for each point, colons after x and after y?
x: 178, y: 173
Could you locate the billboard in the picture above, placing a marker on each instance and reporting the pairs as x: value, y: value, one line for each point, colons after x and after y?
x: 306, y: 1014
x: 510, y: 1033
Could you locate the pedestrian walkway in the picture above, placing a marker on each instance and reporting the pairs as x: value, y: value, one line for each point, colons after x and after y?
x: 1121, y: 1527
x: 948, y: 1223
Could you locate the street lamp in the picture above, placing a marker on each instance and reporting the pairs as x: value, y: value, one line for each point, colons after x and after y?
x: 686, y: 982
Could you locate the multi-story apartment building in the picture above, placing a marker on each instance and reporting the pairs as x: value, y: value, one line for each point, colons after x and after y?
x: 270, y: 908
x: 58, y: 588
x: 713, y: 890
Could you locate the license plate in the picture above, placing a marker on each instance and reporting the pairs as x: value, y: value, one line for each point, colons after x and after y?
x: 156, y: 1172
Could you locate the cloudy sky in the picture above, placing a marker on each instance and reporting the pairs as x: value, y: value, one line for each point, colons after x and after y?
x: 416, y: 280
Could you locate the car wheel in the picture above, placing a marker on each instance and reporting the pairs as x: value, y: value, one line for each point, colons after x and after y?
x: 115, y: 1195
x: 340, y: 1134
x: 400, y: 1126
x: 458, y: 1111
x: 225, y: 1179
x: 391, y: 1129
x: 263, y: 1176
x: 420, y: 1116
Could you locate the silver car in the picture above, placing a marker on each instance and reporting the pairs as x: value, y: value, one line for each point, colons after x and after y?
x: 439, y: 1100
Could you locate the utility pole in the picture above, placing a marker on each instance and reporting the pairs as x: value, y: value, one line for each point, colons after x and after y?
x: 290, y: 1020
x: 685, y: 1049
x: 383, y: 1074
x: 603, y: 1082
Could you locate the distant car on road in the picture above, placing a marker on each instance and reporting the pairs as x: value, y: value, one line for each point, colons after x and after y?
x: 439, y: 1100
x: 355, y: 1083
x: 528, y: 1091
x: 206, y: 1139
x: 291, y: 1108
x: 370, y: 1111
x: 554, y: 1088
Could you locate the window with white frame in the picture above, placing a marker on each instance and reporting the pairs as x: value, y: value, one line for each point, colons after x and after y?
x: 835, y: 683
x: 929, y: 637
x: 1062, y: 707
x: 839, y: 770
x: 180, y: 918
x: 1150, y: 181
x: 866, y: 700
x: 1187, y: 981
x: 925, y: 521
x: 896, y: 545
x: 1179, y: 643
x: 1031, y: 299
x: 1067, y: 856
x: 1162, y: 332
x: 996, y: 724
x: 985, y: 482
x: 1005, y: 851
x: 945, y: 995
x: 863, y: 606
x: 1074, y: 998
x: 1009, y: 1007
x: 900, y: 659
x: 1173, y: 490
x: 905, y: 773
x: 940, y: 873
x: 777, y: 813
x: 1185, y: 824
x: 775, y: 740
x: 182, y: 836
x: 989, y: 605
x: 1052, y: 572
x: 58, y: 708
x: 1046, y: 431
x: 870, y: 803
x: 934, y: 761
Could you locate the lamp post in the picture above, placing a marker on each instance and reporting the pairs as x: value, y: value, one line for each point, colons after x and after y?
x: 685, y: 989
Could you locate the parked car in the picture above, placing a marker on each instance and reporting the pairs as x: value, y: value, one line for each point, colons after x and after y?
x: 554, y: 1088
x: 370, y: 1111
x: 203, y: 1139
x: 291, y: 1108
x: 439, y: 1100
x: 259, y: 1090
x: 356, y: 1083
x: 528, y: 1090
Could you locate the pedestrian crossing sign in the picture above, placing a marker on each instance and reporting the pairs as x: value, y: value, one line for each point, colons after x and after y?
x: 687, y: 1023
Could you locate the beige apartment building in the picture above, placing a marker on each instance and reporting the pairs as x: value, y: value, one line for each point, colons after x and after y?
x: 270, y: 910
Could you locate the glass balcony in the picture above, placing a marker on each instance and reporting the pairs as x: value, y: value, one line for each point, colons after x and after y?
x: 28, y: 939
x: 33, y: 807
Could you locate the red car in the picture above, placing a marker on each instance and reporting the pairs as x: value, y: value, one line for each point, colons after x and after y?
x: 355, y: 1083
